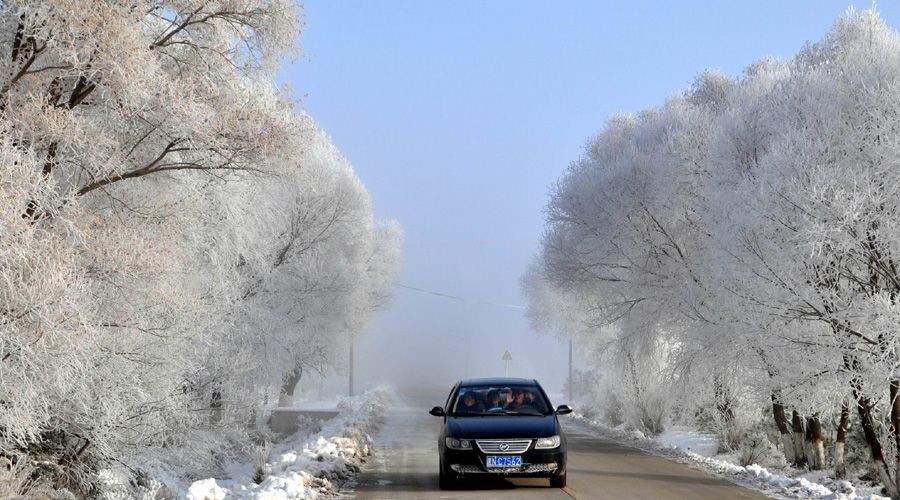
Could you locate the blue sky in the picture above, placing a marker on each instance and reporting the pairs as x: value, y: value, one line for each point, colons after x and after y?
x: 458, y: 117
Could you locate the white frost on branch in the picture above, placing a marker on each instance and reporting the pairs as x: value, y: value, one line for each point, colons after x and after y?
x: 737, y: 247
x: 175, y: 241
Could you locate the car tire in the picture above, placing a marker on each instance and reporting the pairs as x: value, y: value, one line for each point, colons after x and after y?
x: 558, y: 481
x: 446, y: 479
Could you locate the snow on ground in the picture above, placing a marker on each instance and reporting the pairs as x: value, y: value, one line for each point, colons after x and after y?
x: 687, y: 439
x: 305, y: 466
x: 698, y: 450
x: 317, y: 404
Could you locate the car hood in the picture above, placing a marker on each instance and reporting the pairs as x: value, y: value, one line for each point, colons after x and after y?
x: 499, y: 426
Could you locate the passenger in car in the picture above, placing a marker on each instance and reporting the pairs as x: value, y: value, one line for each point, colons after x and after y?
x: 493, y: 400
x: 471, y: 404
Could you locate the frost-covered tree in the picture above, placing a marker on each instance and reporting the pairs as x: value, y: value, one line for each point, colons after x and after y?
x: 748, y: 225
x: 174, y: 240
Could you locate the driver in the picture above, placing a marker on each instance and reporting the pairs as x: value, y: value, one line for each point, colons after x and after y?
x: 532, y: 401
x: 514, y: 399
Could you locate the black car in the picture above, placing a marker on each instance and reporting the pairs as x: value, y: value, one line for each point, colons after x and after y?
x: 501, y: 426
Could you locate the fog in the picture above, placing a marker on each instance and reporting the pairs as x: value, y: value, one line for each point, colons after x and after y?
x: 459, y: 124
x: 463, y: 313
x: 426, y: 340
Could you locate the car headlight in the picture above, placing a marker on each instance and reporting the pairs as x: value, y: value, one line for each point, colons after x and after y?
x: 458, y: 444
x: 547, y: 443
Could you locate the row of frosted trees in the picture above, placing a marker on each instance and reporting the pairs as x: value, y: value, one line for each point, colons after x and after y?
x: 176, y: 242
x: 734, y: 251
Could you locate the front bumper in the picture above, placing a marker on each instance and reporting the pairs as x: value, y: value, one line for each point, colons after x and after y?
x: 534, y: 463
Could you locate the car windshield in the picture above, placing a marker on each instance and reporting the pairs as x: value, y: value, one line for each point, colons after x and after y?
x: 500, y: 400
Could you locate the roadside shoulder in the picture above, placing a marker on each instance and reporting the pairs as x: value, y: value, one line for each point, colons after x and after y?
x: 752, y: 476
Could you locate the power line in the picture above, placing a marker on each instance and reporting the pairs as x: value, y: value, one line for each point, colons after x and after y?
x: 460, y: 299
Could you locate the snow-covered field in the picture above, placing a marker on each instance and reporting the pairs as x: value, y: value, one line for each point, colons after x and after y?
x: 696, y: 449
x: 306, y: 465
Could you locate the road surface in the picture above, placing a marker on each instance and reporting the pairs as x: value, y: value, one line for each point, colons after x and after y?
x: 405, y: 464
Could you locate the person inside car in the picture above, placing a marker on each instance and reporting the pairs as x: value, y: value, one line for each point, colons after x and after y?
x: 493, y: 399
x: 532, y: 401
x: 514, y: 399
x: 471, y: 404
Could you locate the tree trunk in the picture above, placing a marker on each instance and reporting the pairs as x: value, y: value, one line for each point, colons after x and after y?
x: 782, y: 424
x: 864, y: 407
x: 840, y: 469
x: 725, y: 408
x: 287, y: 387
x: 814, y: 445
x: 637, y: 391
x: 799, y: 436
x: 215, y: 405
x: 723, y: 401
x: 632, y: 370
x: 895, y: 429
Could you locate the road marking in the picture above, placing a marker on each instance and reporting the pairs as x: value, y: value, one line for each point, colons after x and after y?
x: 569, y: 491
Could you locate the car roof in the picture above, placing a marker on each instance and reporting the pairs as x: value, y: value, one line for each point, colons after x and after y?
x: 502, y: 381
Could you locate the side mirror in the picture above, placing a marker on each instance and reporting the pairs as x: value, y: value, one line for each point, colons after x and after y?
x: 437, y: 411
x: 563, y: 410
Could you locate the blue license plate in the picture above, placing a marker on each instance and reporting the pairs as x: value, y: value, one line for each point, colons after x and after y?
x: 504, y: 461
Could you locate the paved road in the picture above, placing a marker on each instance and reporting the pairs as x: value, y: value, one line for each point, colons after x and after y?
x: 405, y: 465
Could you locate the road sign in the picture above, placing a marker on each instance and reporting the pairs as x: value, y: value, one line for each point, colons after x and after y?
x: 507, y: 356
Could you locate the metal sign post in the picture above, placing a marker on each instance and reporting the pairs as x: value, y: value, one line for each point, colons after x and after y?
x: 506, y: 358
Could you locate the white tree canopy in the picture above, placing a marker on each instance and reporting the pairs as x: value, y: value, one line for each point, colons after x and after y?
x: 748, y: 226
x: 175, y: 240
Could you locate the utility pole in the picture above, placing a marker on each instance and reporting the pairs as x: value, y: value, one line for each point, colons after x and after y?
x: 571, y: 380
x: 351, y: 365
x: 468, y: 339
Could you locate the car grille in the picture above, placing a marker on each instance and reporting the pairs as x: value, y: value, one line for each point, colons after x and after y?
x: 497, y: 445
x: 466, y: 469
x: 527, y: 468
x: 541, y: 467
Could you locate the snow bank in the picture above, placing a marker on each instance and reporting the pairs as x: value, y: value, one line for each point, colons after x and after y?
x: 207, y: 489
x: 752, y: 476
x: 304, y: 466
x: 687, y: 439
